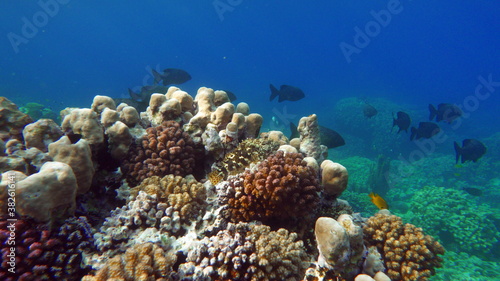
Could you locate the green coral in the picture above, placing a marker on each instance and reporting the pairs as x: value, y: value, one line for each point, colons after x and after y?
x: 39, y: 111
x: 463, y: 267
x: 359, y: 171
x: 460, y: 223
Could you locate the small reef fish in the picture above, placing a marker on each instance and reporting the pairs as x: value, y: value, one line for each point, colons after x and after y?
x: 378, y: 201
x: 403, y: 121
x: 425, y: 130
x: 327, y: 136
x: 369, y: 111
x: 471, y: 150
x: 473, y: 191
x: 286, y: 92
x: 171, y: 76
x: 445, y: 111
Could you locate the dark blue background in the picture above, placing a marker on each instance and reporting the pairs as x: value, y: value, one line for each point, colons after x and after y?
x: 430, y: 52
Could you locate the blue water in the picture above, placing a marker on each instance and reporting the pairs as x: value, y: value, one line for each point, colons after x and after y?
x: 427, y: 52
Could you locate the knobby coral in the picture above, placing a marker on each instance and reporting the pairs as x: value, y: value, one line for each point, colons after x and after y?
x: 141, y: 262
x: 42, y: 254
x: 282, y: 187
x: 165, y: 149
x: 408, y: 253
x: 246, y: 251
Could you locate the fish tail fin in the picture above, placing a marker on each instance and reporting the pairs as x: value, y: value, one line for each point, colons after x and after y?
x: 157, y: 76
x: 458, y: 151
x: 134, y: 95
x: 413, y: 133
x: 432, y: 112
x: 274, y: 92
x: 393, y: 121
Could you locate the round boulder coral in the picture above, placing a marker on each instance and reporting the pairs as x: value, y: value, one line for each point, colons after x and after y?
x: 282, y: 187
x: 164, y: 150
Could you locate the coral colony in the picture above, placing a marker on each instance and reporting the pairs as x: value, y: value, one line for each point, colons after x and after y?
x: 187, y: 190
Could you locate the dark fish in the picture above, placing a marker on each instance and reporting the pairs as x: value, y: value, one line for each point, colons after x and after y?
x: 445, y: 111
x: 425, y: 130
x: 171, y: 76
x: 473, y: 191
x: 369, y: 111
x: 231, y: 95
x: 73, y: 138
x: 471, y: 150
x: 286, y: 92
x: 147, y: 91
x: 403, y: 121
x: 327, y: 136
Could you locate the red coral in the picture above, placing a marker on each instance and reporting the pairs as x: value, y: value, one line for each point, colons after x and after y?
x: 164, y: 150
x: 282, y: 187
x: 42, y: 254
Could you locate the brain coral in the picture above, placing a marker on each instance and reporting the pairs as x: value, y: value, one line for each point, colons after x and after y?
x: 459, y: 222
x: 408, y: 253
x: 282, y: 187
x: 247, y: 152
x: 165, y: 149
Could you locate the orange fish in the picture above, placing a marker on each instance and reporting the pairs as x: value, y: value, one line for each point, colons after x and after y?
x: 378, y: 201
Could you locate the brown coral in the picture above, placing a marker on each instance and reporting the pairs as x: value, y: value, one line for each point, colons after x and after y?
x: 141, y: 262
x: 245, y: 251
x: 408, y: 253
x: 248, y: 151
x: 185, y: 195
x: 282, y: 187
x: 165, y: 149
x: 12, y: 120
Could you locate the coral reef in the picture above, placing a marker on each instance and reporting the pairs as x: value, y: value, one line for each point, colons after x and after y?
x: 246, y: 252
x: 12, y: 120
x: 140, y: 262
x: 47, y: 196
x: 42, y: 254
x: 248, y: 152
x: 310, y: 142
x: 340, y: 243
x: 280, y: 188
x: 84, y: 121
x: 334, y: 178
x: 41, y: 133
x: 166, y: 149
x: 38, y: 111
x: 408, y: 253
x: 471, y: 228
x: 185, y: 195
x: 78, y: 156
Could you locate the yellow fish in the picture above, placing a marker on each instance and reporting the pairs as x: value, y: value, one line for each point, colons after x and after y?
x: 378, y: 201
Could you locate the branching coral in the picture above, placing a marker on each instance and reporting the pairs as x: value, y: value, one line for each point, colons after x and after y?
x: 458, y: 221
x: 408, y: 253
x: 282, y: 187
x: 247, y: 252
x: 164, y: 150
x: 185, y: 195
x: 141, y: 262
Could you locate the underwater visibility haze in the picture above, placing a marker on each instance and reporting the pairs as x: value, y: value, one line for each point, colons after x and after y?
x: 250, y: 140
